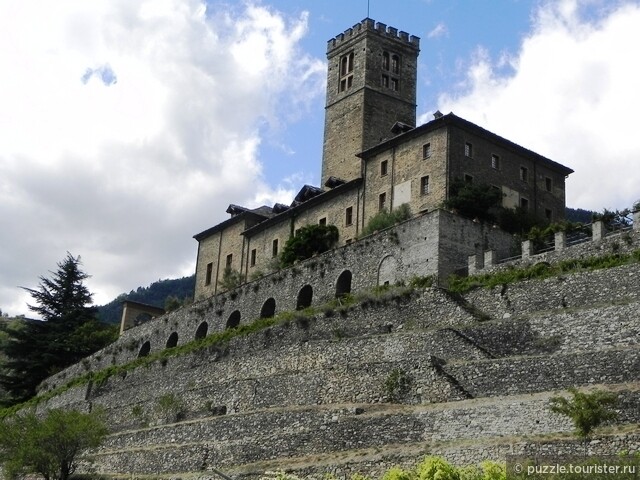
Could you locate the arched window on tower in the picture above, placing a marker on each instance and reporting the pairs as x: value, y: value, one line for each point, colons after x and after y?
x: 395, y: 64
x: 346, y: 71
x: 385, y: 60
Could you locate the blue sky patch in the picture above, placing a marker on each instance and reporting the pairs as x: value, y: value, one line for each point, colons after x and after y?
x: 106, y: 75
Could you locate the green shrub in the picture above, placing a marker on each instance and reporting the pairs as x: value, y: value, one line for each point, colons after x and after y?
x: 436, y: 468
x: 397, y: 385
x: 309, y: 240
x: 48, y: 446
x: 384, y: 219
x: 231, y: 279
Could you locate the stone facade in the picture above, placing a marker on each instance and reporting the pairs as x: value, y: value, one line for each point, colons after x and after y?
x: 375, y: 159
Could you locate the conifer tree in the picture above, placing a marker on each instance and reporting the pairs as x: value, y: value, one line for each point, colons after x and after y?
x: 67, y: 333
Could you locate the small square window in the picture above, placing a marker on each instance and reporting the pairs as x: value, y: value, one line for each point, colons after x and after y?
x: 424, y: 185
x: 253, y: 257
x: 468, y: 179
x: 382, y: 201
x: 548, y: 185
x: 348, y: 216
x: 274, y: 247
x: 524, y: 204
x: 426, y: 150
x: 495, y: 162
x: 468, y: 150
x: 524, y: 174
x: 348, y: 241
x: 383, y: 167
x: 207, y: 280
x: 322, y: 221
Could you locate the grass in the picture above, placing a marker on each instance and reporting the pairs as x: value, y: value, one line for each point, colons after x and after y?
x: 541, y: 270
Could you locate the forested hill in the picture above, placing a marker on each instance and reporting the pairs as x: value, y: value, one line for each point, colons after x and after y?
x: 155, y: 294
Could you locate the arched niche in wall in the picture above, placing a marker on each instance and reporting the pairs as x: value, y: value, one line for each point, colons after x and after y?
x: 305, y: 296
x: 388, y: 271
x: 343, y: 284
x: 172, y: 341
x: 234, y: 319
x: 268, y: 309
x: 145, y: 349
x: 202, y: 330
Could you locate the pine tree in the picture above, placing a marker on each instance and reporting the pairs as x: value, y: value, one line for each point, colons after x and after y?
x: 67, y: 333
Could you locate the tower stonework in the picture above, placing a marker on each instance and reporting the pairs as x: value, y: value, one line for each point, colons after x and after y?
x: 371, y: 85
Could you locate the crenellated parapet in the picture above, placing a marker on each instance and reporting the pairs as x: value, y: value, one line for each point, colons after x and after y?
x: 370, y: 25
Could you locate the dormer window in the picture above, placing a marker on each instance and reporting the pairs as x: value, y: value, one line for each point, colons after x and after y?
x: 346, y: 71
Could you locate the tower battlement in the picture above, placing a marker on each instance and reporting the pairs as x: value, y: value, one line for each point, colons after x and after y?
x: 371, y: 25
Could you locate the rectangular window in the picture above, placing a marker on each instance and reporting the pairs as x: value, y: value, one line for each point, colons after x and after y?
x: 468, y: 150
x: 426, y: 150
x: 495, y: 162
x: 385, y: 81
x: 424, y: 185
x: 348, y: 241
x: 229, y: 260
x: 395, y: 84
x: 548, y: 213
x: 253, y: 257
x: 274, y: 247
x: 383, y: 167
x: 322, y: 221
x: 548, y: 185
x: 468, y: 179
x: 207, y: 280
x: 385, y: 60
x: 524, y: 204
x: 524, y: 174
x: 382, y: 201
x: 348, y: 216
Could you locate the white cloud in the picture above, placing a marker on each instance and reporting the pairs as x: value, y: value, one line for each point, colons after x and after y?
x: 438, y: 31
x: 129, y: 126
x: 573, y: 97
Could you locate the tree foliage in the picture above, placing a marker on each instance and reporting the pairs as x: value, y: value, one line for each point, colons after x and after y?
x: 308, y: 241
x: 474, y: 200
x: 48, y: 446
x: 384, y: 219
x: 587, y: 411
x: 67, y: 333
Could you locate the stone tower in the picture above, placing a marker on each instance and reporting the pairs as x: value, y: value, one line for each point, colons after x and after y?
x: 371, y: 85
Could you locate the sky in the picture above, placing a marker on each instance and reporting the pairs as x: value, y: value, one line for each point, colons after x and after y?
x: 128, y: 126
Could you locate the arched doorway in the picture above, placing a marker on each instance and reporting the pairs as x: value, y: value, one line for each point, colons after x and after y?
x: 343, y: 284
x: 388, y: 271
x: 305, y: 295
x: 234, y: 319
x: 202, y: 330
x: 145, y: 349
x: 173, y: 340
x: 268, y: 309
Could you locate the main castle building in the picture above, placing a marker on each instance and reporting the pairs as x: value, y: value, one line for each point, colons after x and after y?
x: 375, y: 158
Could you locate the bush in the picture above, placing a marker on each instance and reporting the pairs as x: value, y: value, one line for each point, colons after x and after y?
x: 231, y: 279
x: 49, y: 446
x: 308, y: 241
x: 383, y: 219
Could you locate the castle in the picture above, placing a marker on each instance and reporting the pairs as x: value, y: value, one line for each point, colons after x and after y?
x: 375, y: 158
x: 344, y: 388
